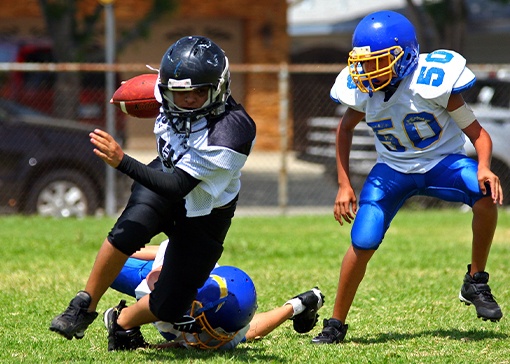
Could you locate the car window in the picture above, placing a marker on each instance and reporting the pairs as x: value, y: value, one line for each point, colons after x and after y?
x: 13, y: 108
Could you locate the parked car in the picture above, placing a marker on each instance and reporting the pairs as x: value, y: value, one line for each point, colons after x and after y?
x: 37, y: 89
x: 320, y: 147
x: 47, y: 165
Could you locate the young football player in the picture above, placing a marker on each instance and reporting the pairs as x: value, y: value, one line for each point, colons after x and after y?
x: 225, y: 307
x: 413, y: 103
x: 189, y: 192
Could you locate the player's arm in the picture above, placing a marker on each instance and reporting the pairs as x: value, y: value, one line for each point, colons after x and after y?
x: 173, y: 186
x: 148, y: 252
x: 482, y: 142
x: 345, y: 203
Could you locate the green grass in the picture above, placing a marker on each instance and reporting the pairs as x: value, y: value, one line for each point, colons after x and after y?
x: 406, y: 310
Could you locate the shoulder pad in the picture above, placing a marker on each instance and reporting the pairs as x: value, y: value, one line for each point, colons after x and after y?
x: 346, y: 92
x: 441, y: 73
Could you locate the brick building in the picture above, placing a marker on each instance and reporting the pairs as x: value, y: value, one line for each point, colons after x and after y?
x: 251, y: 32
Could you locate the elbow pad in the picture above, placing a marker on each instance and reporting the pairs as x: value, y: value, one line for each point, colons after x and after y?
x: 463, y: 116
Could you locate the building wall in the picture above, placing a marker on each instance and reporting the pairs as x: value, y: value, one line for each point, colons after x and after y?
x: 249, y: 32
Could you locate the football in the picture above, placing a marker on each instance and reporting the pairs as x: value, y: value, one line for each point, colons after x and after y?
x: 135, y: 96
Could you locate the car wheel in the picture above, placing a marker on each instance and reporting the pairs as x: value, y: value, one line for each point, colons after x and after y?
x: 64, y: 193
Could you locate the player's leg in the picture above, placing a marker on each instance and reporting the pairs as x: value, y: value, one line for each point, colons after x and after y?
x: 195, y: 246
x: 475, y: 289
x: 132, y: 274
x: 383, y: 193
x: 107, y: 265
x: 138, y: 223
x: 455, y: 179
x: 352, y: 272
x: 118, y: 337
x: 485, y: 218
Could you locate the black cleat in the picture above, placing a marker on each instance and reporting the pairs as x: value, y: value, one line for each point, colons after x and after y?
x: 75, y: 319
x: 334, y: 331
x: 306, y: 320
x: 476, y: 291
x: 118, y: 338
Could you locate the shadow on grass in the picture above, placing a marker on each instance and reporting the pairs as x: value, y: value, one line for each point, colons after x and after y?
x: 453, y: 334
x: 239, y: 354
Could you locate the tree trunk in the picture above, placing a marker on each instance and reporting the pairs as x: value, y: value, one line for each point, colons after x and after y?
x: 59, y: 17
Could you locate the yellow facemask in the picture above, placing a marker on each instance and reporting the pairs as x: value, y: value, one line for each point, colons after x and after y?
x: 369, y: 81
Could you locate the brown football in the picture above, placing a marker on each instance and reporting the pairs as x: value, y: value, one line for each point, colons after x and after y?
x: 135, y: 96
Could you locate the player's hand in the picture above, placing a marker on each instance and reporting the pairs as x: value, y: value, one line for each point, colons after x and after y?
x: 188, y: 324
x: 106, y: 147
x: 486, y: 177
x: 346, y: 205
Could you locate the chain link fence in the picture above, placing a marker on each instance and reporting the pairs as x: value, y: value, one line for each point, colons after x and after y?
x: 47, y: 165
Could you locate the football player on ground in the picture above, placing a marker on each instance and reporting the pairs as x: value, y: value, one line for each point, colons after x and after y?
x: 189, y: 192
x: 413, y: 103
x: 225, y: 307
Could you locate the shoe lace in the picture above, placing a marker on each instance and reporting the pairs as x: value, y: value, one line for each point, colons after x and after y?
x: 72, y: 311
x: 330, y: 331
x: 485, y: 291
x: 131, y: 339
x: 488, y: 296
x: 137, y: 340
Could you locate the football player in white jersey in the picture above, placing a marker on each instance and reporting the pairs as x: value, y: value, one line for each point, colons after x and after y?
x: 413, y: 103
x: 225, y: 306
x: 189, y: 192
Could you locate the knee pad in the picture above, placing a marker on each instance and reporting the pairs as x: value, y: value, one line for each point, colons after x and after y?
x: 369, y: 228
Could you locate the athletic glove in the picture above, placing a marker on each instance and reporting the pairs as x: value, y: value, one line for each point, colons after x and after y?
x: 188, y: 324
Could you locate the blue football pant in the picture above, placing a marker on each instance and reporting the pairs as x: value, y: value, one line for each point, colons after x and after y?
x: 385, y: 190
x: 132, y: 274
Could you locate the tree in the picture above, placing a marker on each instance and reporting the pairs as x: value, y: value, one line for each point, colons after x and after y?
x: 75, y: 39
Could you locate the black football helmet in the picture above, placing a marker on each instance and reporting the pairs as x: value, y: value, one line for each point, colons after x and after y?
x: 193, y: 62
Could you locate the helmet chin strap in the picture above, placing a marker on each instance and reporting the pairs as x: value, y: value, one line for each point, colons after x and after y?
x: 390, y: 90
x: 187, y: 130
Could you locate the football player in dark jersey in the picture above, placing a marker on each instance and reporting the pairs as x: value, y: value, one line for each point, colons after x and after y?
x: 189, y: 192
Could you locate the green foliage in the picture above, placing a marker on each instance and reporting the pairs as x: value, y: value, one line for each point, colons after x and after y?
x: 440, y: 12
x: 406, y: 310
x: 68, y: 28
x: 143, y: 26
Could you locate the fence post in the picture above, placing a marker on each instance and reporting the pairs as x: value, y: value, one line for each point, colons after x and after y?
x: 283, y: 88
x: 110, y: 185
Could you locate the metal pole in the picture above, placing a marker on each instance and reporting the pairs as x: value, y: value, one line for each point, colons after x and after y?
x: 110, y: 188
x: 283, y: 87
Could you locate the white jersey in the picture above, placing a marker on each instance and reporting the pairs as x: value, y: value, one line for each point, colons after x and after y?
x: 413, y: 130
x: 167, y: 329
x: 214, y: 153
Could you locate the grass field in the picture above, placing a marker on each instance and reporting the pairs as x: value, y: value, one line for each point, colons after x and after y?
x: 406, y: 310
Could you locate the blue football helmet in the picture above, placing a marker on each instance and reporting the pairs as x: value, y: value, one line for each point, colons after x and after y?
x: 388, y: 39
x: 225, y: 304
x: 190, y: 63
